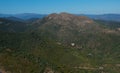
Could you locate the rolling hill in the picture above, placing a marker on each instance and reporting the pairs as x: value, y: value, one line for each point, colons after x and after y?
x: 12, y: 25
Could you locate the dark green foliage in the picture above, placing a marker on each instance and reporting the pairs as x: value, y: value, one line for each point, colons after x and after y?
x: 109, y: 24
x: 12, y: 26
x: 46, y: 48
x: 36, y: 53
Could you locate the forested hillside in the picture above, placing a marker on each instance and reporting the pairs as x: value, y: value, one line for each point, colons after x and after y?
x: 60, y: 43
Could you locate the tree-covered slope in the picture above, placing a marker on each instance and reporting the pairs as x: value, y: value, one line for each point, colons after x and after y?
x: 61, y: 44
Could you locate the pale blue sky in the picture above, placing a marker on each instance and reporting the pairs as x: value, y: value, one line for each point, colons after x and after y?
x: 53, y: 6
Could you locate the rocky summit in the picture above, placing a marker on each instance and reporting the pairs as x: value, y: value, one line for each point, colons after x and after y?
x: 64, y: 25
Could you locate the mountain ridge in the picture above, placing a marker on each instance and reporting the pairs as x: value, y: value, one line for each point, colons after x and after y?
x: 65, y: 26
x: 25, y: 16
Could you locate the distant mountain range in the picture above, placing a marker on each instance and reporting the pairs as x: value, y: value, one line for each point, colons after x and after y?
x: 27, y: 16
x: 107, y: 17
x: 24, y: 16
x: 19, y: 21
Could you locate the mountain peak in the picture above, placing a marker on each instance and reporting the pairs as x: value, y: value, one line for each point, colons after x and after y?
x: 65, y: 13
x: 62, y: 16
x: 65, y: 18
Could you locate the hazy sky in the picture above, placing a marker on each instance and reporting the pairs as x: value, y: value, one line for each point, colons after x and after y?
x: 53, y: 6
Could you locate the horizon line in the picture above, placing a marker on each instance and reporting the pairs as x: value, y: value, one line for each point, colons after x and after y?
x: 58, y: 13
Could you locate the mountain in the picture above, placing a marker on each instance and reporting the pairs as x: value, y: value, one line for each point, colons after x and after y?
x: 109, y: 24
x: 106, y: 17
x: 24, y: 16
x: 60, y: 43
x: 5, y: 15
x: 12, y: 25
x: 67, y: 28
x: 14, y: 19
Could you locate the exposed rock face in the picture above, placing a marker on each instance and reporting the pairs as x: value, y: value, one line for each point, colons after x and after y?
x: 65, y: 17
x: 69, y: 21
x: 67, y: 28
x: 62, y: 16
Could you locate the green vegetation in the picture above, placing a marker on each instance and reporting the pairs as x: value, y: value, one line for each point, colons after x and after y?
x: 31, y: 53
x: 46, y: 49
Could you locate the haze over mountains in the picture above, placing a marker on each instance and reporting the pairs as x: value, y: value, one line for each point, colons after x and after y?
x: 59, y: 43
x: 25, y: 16
x: 107, y: 17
